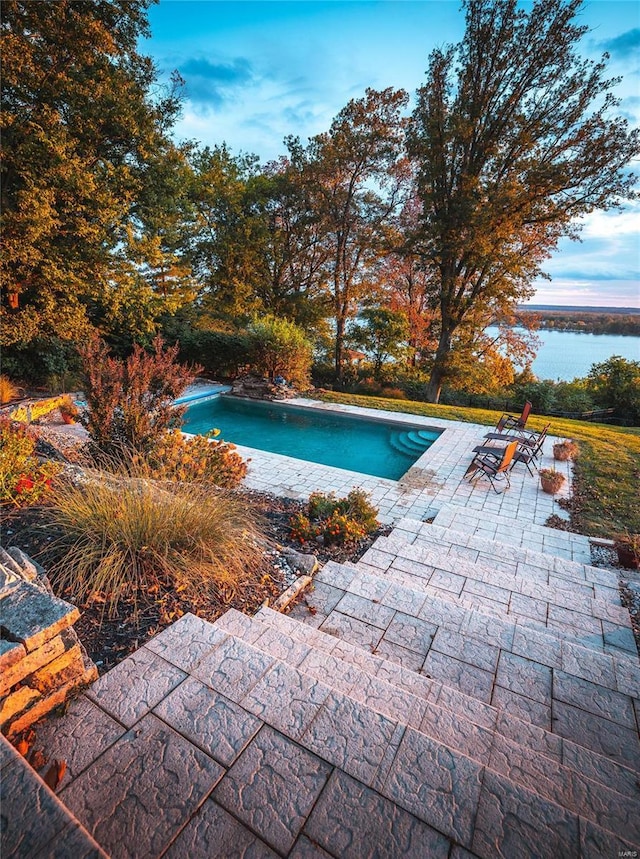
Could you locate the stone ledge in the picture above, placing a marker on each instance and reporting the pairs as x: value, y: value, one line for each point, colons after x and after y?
x: 41, y: 659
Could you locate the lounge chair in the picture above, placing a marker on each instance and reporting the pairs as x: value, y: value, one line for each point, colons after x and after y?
x: 524, y: 454
x: 530, y: 441
x: 508, y: 423
x: 495, y: 469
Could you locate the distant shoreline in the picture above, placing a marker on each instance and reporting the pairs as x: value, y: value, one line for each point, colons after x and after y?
x: 561, y: 308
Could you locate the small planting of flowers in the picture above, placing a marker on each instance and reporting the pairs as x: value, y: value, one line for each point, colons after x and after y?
x: 336, y: 520
x: 175, y: 457
x: 24, y: 480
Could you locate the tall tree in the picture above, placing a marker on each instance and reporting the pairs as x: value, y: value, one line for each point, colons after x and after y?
x: 514, y: 138
x: 80, y: 125
x: 353, y: 173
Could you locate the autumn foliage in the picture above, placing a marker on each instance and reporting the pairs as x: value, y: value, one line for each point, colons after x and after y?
x: 335, y: 520
x: 24, y: 480
x: 199, y: 458
x: 131, y: 401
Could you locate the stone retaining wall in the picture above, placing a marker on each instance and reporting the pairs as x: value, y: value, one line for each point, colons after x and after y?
x: 41, y: 660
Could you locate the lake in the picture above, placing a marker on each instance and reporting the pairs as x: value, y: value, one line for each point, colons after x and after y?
x: 567, y: 355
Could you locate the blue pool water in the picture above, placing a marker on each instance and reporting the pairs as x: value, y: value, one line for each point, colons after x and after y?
x: 380, y: 448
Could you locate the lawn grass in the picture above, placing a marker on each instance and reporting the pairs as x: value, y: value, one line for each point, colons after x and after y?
x: 607, y: 472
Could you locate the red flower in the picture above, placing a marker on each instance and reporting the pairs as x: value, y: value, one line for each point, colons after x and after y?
x: 25, y: 484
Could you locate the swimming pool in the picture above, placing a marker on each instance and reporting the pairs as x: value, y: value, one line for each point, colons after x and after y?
x: 377, y: 447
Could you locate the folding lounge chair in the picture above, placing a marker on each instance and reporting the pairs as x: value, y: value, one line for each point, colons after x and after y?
x: 526, y: 452
x: 495, y: 470
x: 530, y: 441
x: 509, y: 423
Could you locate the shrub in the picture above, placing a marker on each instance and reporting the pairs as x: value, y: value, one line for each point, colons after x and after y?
x: 23, y: 479
x: 8, y: 391
x: 336, y: 520
x: 43, y: 360
x: 280, y: 348
x: 301, y: 529
x: 615, y: 384
x: 131, y: 401
x: 68, y: 409
x: 175, y: 457
x: 393, y: 393
x: 127, y: 533
x: 221, y: 353
x: 565, y: 450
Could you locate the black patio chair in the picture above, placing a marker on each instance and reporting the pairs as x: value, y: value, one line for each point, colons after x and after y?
x: 514, y: 423
x: 495, y: 469
x: 524, y: 454
x: 530, y: 442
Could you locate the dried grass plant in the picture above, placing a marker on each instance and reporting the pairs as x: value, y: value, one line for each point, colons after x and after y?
x: 123, y: 534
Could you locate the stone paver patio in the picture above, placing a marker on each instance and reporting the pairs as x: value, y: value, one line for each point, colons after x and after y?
x: 434, y: 480
x: 470, y: 688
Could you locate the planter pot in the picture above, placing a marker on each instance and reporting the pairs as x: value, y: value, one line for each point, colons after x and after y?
x: 627, y: 557
x: 564, y: 451
x: 551, y: 485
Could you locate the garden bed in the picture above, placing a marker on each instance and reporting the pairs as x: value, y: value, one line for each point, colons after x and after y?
x: 108, y: 640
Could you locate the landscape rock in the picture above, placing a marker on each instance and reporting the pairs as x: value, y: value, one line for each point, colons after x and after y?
x: 301, y: 562
x: 259, y: 388
x: 41, y: 659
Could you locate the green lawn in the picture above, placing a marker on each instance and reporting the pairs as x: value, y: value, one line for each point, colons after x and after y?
x: 607, y: 472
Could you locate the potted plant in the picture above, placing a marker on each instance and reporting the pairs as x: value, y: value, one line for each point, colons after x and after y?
x: 628, y: 549
x: 565, y: 450
x: 68, y: 410
x: 551, y: 480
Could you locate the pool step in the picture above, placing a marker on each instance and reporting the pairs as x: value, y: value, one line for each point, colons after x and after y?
x: 411, y: 442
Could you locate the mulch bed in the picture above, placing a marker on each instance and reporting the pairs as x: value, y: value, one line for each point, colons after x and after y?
x: 109, y: 639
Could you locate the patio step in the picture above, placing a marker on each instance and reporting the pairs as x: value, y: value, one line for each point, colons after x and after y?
x: 456, y: 720
x: 482, y: 548
x: 587, y: 612
x: 553, y: 780
x: 516, y: 532
x: 579, y: 694
x: 291, y: 758
x: 375, y: 598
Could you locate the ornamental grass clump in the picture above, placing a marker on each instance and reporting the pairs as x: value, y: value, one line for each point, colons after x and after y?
x: 8, y: 391
x: 124, y: 535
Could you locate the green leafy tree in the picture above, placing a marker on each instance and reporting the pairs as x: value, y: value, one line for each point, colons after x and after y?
x: 615, y: 384
x: 382, y: 333
x: 258, y: 245
x: 280, y: 348
x: 80, y: 128
x: 353, y: 176
x: 514, y: 137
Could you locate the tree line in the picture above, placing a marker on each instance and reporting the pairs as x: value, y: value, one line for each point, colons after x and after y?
x: 408, y: 233
x: 589, y: 323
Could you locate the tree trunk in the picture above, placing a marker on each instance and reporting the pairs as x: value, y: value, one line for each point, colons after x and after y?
x: 438, y: 371
x: 339, y: 348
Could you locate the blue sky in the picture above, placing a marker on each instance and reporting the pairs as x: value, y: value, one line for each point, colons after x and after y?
x: 258, y: 71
